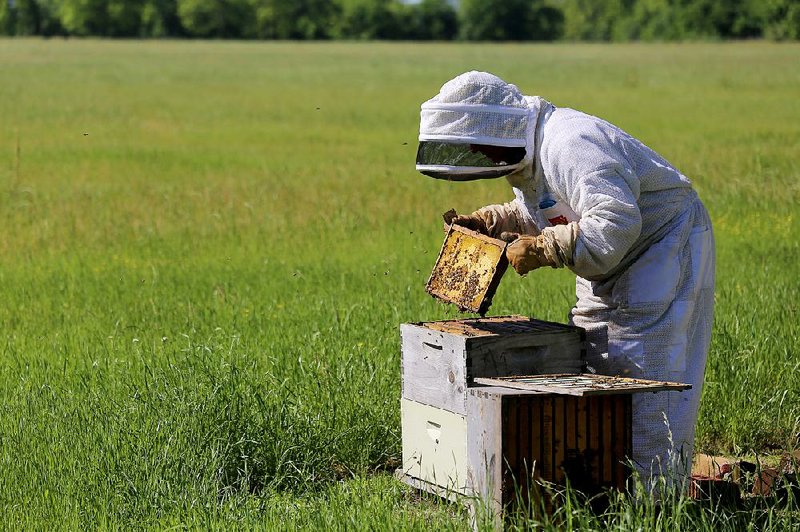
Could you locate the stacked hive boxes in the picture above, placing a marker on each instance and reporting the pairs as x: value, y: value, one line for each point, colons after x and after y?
x: 463, y: 438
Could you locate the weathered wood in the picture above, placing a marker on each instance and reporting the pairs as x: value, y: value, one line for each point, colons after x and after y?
x: 510, y: 449
x: 440, y: 359
x: 484, y: 446
x: 621, y: 448
x: 434, y: 368
x: 581, y: 384
x: 581, y: 436
x: 572, y: 421
x: 495, y: 326
x: 548, y: 464
x: 513, y: 437
x: 525, y: 443
x: 594, y: 413
x: 434, y: 445
x: 537, y: 437
x: 548, y: 353
x: 608, y: 431
x: 559, y: 438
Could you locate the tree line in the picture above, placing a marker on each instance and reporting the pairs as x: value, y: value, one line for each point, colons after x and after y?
x: 472, y: 20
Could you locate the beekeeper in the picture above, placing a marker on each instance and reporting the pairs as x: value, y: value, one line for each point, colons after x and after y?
x: 591, y: 198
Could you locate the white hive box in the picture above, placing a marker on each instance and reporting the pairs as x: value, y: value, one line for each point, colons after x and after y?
x: 441, y: 358
x: 440, y: 361
x: 492, y: 406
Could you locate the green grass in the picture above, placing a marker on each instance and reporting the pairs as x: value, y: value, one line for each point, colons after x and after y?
x: 208, y: 247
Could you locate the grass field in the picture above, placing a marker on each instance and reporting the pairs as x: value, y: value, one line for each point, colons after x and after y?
x: 207, y: 249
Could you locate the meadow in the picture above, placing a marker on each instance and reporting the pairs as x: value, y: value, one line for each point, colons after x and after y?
x: 207, y: 249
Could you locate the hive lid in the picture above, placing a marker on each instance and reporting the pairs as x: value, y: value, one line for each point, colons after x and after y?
x: 468, y: 269
x: 581, y: 384
x: 496, y: 326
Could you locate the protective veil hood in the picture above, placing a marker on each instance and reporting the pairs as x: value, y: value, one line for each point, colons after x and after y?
x: 472, y: 110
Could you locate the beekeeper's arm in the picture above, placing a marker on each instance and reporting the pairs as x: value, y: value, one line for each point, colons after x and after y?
x: 583, y: 169
x: 494, y: 220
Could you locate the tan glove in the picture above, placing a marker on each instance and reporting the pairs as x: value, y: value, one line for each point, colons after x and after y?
x: 493, y: 220
x: 525, y: 253
x: 472, y: 221
x: 555, y: 247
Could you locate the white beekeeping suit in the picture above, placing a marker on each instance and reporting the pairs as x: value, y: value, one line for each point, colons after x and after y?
x: 637, y: 237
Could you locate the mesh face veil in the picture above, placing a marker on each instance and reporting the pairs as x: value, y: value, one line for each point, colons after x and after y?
x: 477, y: 127
x: 464, y: 162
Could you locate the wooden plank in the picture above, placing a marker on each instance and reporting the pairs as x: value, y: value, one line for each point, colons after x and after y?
x: 484, y: 446
x: 498, y: 326
x: 521, y: 356
x: 595, y: 429
x: 525, y: 442
x: 560, y: 440
x: 581, y: 428
x: 434, y: 369
x: 482, y: 344
x: 434, y: 445
x: 581, y: 384
x: 571, y: 423
x: 576, y: 467
x: 537, y: 413
x: 607, y: 445
x: 503, y: 391
x: 629, y: 430
x: 547, y: 438
x: 620, y: 433
x: 511, y: 449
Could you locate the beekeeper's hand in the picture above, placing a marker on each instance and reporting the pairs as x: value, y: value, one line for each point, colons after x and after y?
x: 525, y: 253
x: 474, y: 221
x: 555, y: 247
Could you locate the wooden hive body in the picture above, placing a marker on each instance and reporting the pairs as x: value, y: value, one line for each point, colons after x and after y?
x: 545, y: 437
x: 509, y: 439
x: 483, y: 416
x: 441, y: 359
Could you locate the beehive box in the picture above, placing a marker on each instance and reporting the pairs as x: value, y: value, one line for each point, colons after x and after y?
x: 468, y: 269
x: 511, y: 439
x: 518, y: 440
x: 440, y: 359
x: 482, y: 415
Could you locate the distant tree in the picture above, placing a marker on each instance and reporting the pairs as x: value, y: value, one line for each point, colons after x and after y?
x: 216, y: 18
x: 108, y: 18
x: 501, y: 20
x: 547, y: 23
x: 368, y: 19
x: 400, y: 22
x: 50, y: 18
x: 435, y: 20
x: 783, y: 19
x: 26, y: 17
x: 6, y: 19
x: 592, y: 20
x: 29, y: 17
x: 124, y: 17
x: 651, y: 20
x: 84, y: 17
x: 300, y: 19
x: 160, y: 19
